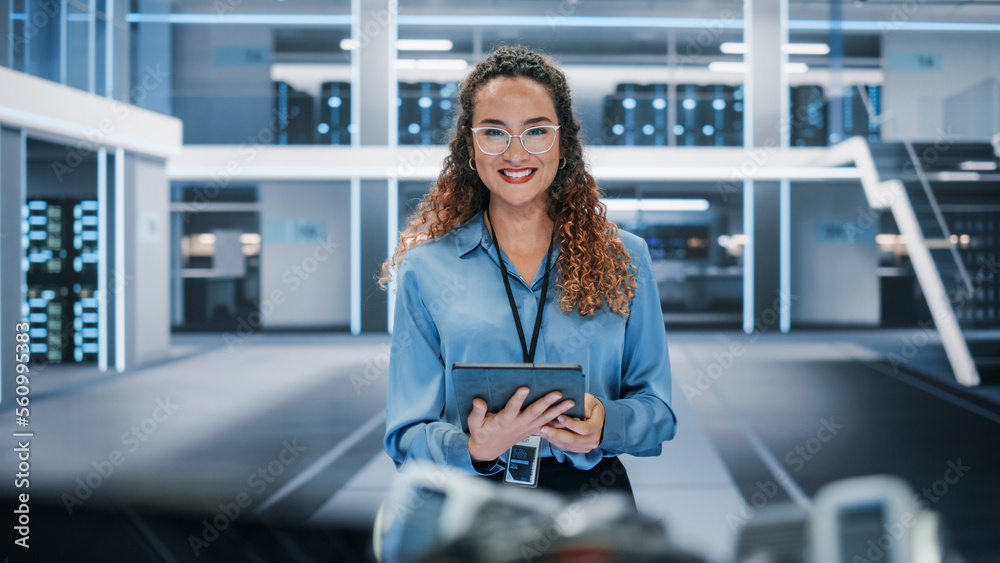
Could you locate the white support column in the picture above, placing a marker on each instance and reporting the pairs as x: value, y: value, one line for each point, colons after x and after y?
x: 765, y: 132
x: 374, y: 92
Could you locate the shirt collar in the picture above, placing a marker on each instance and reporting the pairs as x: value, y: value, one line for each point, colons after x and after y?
x: 472, y: 234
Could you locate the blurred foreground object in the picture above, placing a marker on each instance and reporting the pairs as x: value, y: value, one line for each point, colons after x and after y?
x: 433, y: 514
x: 860, y: 520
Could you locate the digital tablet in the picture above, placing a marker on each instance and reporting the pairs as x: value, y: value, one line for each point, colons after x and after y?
x: 496, y: 383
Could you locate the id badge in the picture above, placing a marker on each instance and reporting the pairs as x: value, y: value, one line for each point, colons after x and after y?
x: 522, y: 462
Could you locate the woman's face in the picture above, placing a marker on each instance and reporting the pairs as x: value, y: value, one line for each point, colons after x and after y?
x: 517, y: 177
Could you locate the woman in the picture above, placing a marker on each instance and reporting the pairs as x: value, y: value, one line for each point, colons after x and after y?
x: 514, y: 201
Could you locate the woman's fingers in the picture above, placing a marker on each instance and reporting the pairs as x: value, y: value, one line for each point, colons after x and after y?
x: 516, y: 401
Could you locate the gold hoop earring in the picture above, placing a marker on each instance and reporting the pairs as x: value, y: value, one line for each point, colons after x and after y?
x: 563, y: 165
x: 472, y: 165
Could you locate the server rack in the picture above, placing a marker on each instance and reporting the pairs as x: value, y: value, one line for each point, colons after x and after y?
x: 62, y: 262
x: 426, y: 112
x: 294, y: 113
x: 334, y: 114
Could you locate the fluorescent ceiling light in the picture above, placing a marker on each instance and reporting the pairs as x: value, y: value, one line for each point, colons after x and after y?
x: 631, y: 204
x: 983, y: 165
x: 423, y: 45
x: 431, y: 64
x: 789, y: 48
x: 738, y: 67
x: 406, y: 44
x: 956, y: 176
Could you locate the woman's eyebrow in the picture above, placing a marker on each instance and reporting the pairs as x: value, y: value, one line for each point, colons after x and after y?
x: 531, y: 121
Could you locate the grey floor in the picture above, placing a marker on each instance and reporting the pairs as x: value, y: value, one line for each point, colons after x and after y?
x: 292, y: 425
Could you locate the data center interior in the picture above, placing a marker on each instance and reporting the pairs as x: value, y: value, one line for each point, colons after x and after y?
x: 197, y: 197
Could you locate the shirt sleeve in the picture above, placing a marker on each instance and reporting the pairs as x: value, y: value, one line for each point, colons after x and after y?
x: 415, y: 400
x: 641, y: 419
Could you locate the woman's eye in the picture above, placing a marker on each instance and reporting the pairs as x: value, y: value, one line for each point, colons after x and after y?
x: 538, y: 131
x: 495, y: 132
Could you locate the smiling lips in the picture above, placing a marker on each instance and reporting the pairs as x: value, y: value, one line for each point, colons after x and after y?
x: 517, y: 176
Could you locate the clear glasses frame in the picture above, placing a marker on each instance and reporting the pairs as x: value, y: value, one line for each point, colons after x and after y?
x: 520, y: 137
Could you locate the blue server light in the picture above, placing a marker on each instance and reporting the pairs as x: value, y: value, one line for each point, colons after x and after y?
x: 708, y: 130
x: 718, y: 104
x: 334, y: 101
x: 413, y: 128
x: 38, y: 220
x: 689, y: 104
x: 323, y: 128
x: 659, y: 103
x: 648, y: 129
x: 39, y: 347
x: 618, y: 129
x: 424, y: 102
x: 38, y: 318
x: 628, y: 103
x: 37, y: 205
x: 89, y: 205
x: 38, y: 332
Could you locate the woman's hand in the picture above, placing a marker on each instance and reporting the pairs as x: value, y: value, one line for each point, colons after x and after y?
x: 571, y: 434
x: 493, y: 434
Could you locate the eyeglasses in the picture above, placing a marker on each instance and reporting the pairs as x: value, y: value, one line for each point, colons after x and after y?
x: 535, y: 140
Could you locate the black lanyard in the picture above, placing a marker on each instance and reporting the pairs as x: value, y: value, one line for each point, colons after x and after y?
x: 528, y: 355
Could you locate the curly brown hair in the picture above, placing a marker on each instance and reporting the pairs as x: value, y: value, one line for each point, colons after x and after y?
x: 593, y: 266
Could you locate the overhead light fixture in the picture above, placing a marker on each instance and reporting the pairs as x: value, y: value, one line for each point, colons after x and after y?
x: 431, y: 64
x: 789, y: 48
x: 738, y: 67
x: 406, y: 44
x: 661, y: 204
x: 979, y: 165
x: 956, y: 176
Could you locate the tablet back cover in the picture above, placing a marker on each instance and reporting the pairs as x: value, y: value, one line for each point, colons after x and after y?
x: 496, y: 383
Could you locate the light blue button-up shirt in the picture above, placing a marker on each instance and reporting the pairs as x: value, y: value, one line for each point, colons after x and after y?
x: 451, y: 306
